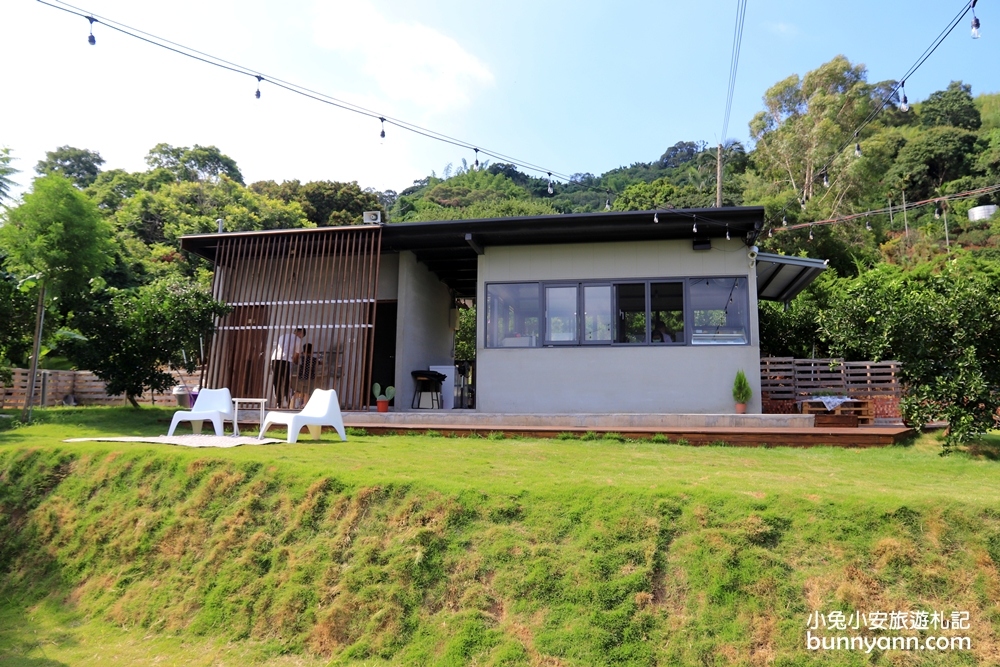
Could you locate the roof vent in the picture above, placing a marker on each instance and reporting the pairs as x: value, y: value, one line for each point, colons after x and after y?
x: 373, y: 217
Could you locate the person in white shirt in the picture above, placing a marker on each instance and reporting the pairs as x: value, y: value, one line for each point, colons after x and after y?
x: 286, y: 352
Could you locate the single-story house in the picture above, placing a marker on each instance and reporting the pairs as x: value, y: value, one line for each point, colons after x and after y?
x: 632, y: 312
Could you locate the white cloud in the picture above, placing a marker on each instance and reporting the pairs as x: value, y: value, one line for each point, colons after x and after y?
x: 410, y: 62
x: 783, y: 28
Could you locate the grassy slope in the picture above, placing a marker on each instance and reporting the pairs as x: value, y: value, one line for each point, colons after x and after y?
x: 419, y: 550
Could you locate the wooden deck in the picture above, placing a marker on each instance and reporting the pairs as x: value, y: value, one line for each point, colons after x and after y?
x: 695, y: 433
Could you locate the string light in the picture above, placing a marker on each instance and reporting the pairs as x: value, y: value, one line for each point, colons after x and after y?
x: 904, y: 106
x: 259, y: 79
x: 857, y: 146
x: 91, y: 39
x: 477, y: 158
x: 727, y: 232
x: 810, y: 233
x: 382, y: 133
x: 975, y: 20
x: 607, y: 202
x: 656, y: 217
x: 784, y: 221
x: 826, y: 181
x: 770, y: 232
x: 551, y: 189
x: 868, y: 224
x: 937, y: 212
x: 694, y: 227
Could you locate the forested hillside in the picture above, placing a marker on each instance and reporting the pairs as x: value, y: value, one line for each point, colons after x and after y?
x: 826, y: 145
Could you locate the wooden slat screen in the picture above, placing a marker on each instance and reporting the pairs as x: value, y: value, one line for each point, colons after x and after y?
x: 322, y: 280
x: 777, y: 378
x: 785, y: 378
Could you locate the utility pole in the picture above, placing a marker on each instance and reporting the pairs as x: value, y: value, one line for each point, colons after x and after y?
x: 718, y: 178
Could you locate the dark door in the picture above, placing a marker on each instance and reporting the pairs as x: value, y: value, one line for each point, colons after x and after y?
x: 384, y: 352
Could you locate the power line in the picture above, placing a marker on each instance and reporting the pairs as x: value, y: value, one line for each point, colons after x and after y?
x: 967, y: 7
x: 734, y: 62
x: 891, y: 209
x: 236, y: 68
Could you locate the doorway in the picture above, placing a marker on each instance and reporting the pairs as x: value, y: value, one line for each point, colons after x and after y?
x: 384, y: 348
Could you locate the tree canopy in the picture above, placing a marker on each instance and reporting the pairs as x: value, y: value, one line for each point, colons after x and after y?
x: 77, y: 164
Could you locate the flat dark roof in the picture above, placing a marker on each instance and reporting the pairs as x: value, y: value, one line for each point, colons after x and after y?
x: 450, y: 248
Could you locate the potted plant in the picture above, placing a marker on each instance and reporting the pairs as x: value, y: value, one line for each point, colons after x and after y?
x: 741, y: 392
x: 382, y: 400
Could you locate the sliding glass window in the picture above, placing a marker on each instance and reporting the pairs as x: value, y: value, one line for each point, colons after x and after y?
x: 666, y: 306
x: 560, y: 314
x: 630, y: 301
x: 513, y: 314
x: 719, y: 311
x: 682, y: 311
x: 597, y: 313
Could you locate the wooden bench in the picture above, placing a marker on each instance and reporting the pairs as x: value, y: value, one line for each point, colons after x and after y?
x: 859, y: 412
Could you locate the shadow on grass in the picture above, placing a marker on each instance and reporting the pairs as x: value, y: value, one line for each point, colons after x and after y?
x: 988, y: 448
x: 22, y: 644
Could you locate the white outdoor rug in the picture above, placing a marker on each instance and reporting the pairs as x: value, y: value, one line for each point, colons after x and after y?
x: 187, y: 440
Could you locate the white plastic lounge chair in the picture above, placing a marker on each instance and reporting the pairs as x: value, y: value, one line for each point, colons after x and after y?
x: 323, y: 409
x: 214, y: 405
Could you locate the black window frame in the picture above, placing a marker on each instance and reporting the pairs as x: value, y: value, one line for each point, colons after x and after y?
x: 612, y: 283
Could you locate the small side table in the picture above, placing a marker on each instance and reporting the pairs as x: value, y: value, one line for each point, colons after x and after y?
x: 261, y: 403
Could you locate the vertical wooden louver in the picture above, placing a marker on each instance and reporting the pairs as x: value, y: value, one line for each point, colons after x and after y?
x: 322, y: 280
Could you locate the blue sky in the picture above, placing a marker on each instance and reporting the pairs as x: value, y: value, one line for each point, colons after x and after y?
x: 583, y: 86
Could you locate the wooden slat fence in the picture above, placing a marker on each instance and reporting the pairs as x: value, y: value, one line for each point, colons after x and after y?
x: 85, y: 388
x: 783, y: 380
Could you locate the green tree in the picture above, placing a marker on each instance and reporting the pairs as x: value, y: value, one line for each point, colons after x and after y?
x: 58, y: 235
x: 193, y: 207
x: 953, y: 106
x: 77, y: 164
x: 15, y: 323
x: 325, y: 203
x: 932, y: 158
x: 940, y: 322
x: 6, y: 171
x: 131, y: 336
x: 200, y: 163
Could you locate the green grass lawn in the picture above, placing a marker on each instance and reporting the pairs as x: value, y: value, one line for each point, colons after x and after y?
x: 432, y: 550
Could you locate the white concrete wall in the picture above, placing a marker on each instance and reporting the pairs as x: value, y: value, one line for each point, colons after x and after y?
x: 666, y: 379
x: 424, y: 336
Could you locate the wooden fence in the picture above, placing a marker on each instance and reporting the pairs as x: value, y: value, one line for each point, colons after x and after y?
x: 76, y: 388
x: 784, y: 380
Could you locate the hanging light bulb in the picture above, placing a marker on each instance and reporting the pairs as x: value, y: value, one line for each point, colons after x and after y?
x: 857, y: 150
x: 826, y: 181
x: 810, y: 233
x: 551, y: 189
x: 382, y: 133
x: 770, y: 232
x: 868, y: 224
x: 727, y: 233
x: 784, y: 221
x: 975, y: 27
x: 937, y: 213
x: 477, y: 157
x: 90, y: 39
x: 802, y: 203
x: 694, y: 227
x: 656, y: 217
x: 904, y: 106
x: 259, y: 79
